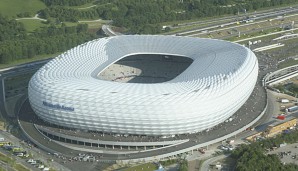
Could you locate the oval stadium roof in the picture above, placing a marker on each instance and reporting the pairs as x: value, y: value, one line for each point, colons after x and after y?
x: 67, y: 91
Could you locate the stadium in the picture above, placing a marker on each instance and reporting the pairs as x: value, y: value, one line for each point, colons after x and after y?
x: 144, y: 85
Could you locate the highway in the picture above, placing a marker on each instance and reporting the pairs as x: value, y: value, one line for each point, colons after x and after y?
x: 281, y: 75
x: 108, y: 31
x: 239, y: 17
x: 250, y: 110
x: 269, y: 34
x: 261, y: 125
x: 288, y: 19
x: 233, y: 20
x: 34, y: 152
x: 26, y: 120
x: 12, y: 72
x: 245, y: 115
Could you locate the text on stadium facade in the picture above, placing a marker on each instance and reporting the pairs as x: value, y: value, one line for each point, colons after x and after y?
x: 57, y: 106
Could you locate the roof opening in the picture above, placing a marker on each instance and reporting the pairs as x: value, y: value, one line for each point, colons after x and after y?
x: 146, y: 68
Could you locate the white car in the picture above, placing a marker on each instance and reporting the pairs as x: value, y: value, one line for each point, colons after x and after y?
x: 30, y: 160
x: 41, y: 167
x: 20, y: 154
x: 224, y: 147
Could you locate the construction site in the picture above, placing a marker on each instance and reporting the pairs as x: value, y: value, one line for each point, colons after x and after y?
x: 281, y: 125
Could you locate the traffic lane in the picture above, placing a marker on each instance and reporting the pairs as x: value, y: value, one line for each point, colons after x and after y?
x: 258, y: 16
x: 262, y: 18
x: 205, y: 165
x: 2, y: 101
x: 18, y: 160
x: 204, y: 138
x: 201, y: 137
x: 29, y: 148
x: 11, y: 73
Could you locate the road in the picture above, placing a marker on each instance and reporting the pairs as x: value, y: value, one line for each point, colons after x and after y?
x: 243, y: 113
x: 269, y: 34
x: 225, y: 128
x: 206, y: 164
x: 2, y: 98
x: 214, y: 29
x: 247, y: 113
x: 6, y: 166
x: 12, y: 72
x: 34, y: 151
x: 32, y: 18
x: 262, y: 125
x: 272, y: 110
x: 87, y: 7
x: 217, y: 23
x: 273, y: 105
x: 280, y: 11
x: 108, y: 31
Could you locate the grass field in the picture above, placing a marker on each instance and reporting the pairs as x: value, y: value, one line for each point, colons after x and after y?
x: 288, y: 63
x: 31, y: 25
x: 17, y: 83
x: 82, y: 7
x: 16, y: 166
x: 12, y: 7
x: 143, y: 167
x: 5, y: 159
x: 23, y: 61
x: 20, y: 167
x: 69, y: 24
x: 94, y: 24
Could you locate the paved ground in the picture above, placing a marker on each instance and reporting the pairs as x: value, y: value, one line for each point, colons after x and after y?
x: 252, y: 107
x: 32, y: 18
x: 173, y: 167
x: 272, y: 112
x: 250, y: 110
x: 290, y: 153
x: 36, y: 153
x: 5, y: 166
x: 194, y: 165
x: 196, y: 157
x: 205, y: 165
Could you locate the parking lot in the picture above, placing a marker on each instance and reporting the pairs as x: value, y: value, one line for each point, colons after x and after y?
x: 27, y: 154
x: 287, y: 154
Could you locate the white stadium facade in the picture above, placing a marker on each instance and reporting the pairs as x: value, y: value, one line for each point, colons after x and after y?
x: 145, y: 85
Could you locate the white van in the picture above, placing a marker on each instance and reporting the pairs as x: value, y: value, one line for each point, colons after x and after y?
x: 46, y: 169
x: 20, y: 154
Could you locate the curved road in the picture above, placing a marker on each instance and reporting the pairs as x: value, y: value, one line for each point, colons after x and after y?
x: 206, y: 163
x: 27, y: 116
x: 32, y: 18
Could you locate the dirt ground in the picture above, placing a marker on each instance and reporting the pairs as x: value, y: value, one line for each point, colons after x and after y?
x: 194, y: 165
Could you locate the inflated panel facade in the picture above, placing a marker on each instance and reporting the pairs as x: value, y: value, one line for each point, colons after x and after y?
x: 66, y: 91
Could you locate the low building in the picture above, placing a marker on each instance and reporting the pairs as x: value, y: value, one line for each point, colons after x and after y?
x: 279, y: 126
x: 275, y: 128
